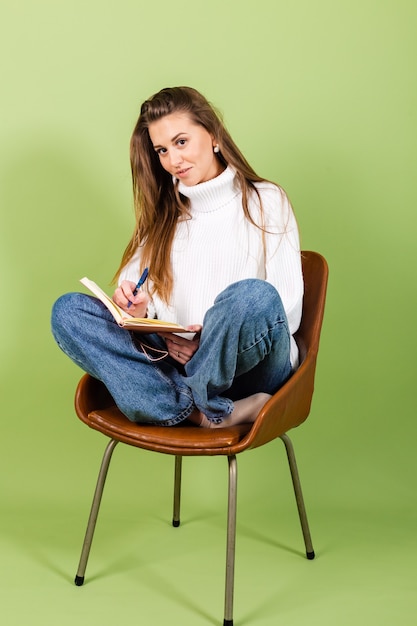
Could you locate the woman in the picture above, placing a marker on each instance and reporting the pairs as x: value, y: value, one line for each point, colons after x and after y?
x: 223, y: 253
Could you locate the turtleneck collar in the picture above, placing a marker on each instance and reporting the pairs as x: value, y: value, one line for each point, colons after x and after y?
x: 213, y: 194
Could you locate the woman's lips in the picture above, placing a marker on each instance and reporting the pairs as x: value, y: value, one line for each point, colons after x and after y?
x: 182, y: 173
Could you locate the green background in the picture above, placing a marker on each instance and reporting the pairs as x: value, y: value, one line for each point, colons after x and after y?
x: 321, y: 97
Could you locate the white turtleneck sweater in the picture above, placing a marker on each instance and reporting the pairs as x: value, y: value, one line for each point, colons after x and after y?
x: 219, y: 246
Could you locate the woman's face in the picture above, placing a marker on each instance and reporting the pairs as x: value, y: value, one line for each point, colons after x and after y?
x: 185, y: 149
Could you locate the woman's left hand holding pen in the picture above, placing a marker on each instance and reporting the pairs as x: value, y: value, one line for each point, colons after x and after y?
x: 125, y: 294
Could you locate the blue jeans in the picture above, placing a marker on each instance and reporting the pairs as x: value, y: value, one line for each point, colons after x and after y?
x: 244, y: 348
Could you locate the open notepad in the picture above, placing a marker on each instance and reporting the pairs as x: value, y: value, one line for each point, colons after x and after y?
x: 139, y: 324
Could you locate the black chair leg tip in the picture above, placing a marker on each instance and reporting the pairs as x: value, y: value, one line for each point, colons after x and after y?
x: 310, y: 555
x: 175, y: 523
x: 228, y: 622
x: 79, y: 581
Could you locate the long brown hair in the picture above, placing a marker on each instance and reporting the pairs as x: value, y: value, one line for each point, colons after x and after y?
x: 157, y: 201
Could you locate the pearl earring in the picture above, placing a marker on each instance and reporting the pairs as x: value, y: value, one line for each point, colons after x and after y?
x: 216, y: 148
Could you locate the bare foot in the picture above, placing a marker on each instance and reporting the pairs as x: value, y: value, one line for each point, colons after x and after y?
x: 245, y: 412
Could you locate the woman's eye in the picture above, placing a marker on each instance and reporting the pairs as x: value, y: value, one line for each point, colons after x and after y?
x: 181, y: 142
x: 161, y: 151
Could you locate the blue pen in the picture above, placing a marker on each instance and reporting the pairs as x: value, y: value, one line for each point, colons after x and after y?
x: 140, y: 283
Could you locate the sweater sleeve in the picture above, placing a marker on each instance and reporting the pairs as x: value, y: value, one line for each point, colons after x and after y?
x: 283, y: 258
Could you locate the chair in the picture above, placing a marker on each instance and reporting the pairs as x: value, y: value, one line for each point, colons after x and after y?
x: 288, y: 408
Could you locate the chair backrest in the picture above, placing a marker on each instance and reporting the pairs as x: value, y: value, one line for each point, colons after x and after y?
x: 290, y: 406
x: 315, y: 273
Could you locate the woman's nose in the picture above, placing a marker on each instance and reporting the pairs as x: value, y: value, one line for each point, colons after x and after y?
x: 176, y: 158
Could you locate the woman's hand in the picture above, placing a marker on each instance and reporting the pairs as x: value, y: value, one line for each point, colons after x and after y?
x: 180, y: 348
x: 124, y: 294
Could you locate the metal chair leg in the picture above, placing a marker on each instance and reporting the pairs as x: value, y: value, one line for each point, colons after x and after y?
x: 79, y: 578
x: 231, y: 541
x: 298, y: 496
x: 177, y: 492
